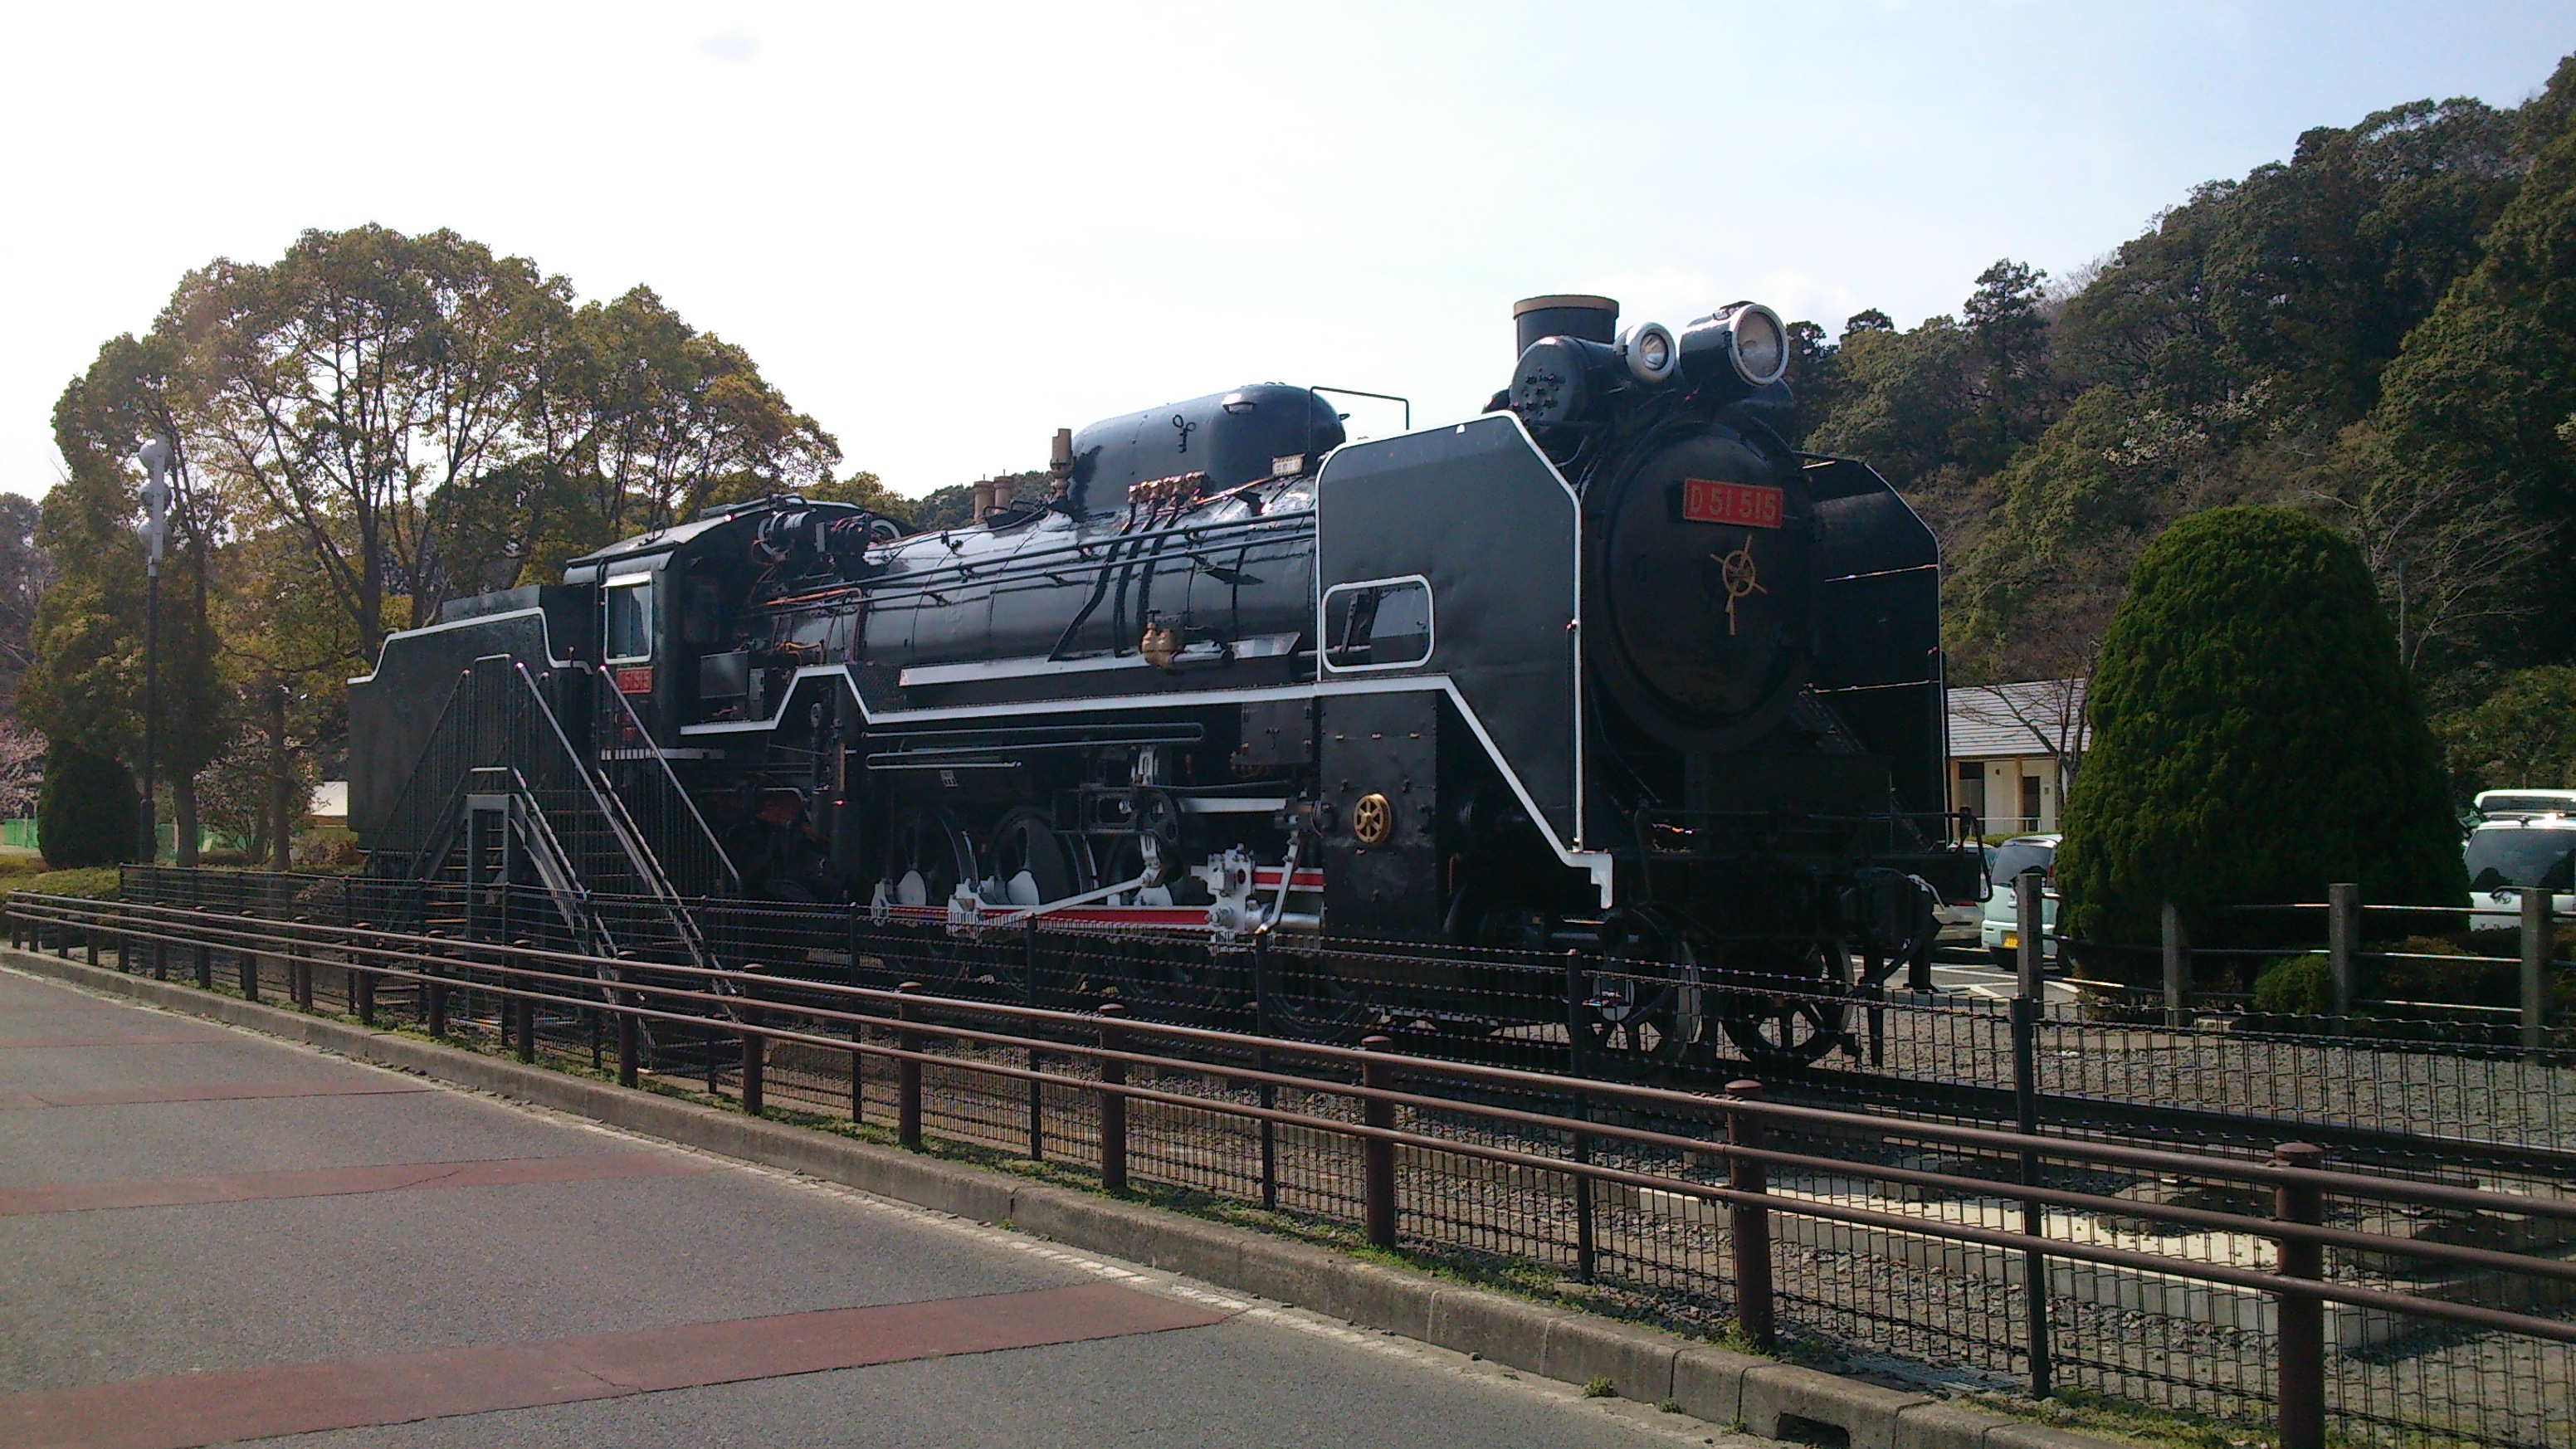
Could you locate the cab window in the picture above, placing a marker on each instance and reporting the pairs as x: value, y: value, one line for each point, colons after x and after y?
x: 630, y: 621
x: 1376, y: 626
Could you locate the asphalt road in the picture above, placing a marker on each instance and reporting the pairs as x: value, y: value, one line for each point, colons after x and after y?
x: 208, y: 1236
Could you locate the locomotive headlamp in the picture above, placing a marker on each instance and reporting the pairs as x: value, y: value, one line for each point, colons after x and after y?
x: 1651, y: 354
x: 1761, y: 344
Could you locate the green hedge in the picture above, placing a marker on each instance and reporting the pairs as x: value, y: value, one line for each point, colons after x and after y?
x: 89, y: 813
x: 2254, y: 739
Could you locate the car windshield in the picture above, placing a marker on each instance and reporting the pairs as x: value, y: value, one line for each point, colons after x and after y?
x: 2520, y: 856
x: 2017, y: 856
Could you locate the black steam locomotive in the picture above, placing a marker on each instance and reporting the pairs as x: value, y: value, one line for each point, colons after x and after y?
x: 1608, y: 668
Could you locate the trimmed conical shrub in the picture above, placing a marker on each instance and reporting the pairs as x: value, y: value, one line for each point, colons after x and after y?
x: 2254, y: 739
x: 88, y: 813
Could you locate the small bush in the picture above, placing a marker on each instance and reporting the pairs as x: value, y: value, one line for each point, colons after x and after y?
x: 89, y: 813
x: 1596, y: 1388
x: 90, y: 883
x: 2294, y: 986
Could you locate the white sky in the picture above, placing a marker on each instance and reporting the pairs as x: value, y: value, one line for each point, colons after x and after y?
x: 947, y: 230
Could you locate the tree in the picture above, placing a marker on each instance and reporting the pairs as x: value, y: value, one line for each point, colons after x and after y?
x: 2482, y: 386
x: 25, y: 569
x: 85, y: 683
x: 2254, y: 738
x: 2521, y: 736
x: 2451, y: 553
x: 864, y: 490
x: 88, y: 813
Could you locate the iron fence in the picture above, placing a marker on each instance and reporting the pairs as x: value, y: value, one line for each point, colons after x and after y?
x: 2244, y: 1284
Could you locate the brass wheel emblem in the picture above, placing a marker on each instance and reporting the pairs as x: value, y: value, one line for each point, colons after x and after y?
x: 1372, y: 820
x: 1737, y: 572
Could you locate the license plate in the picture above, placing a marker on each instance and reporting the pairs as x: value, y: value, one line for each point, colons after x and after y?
x: 2012, y: 941
x: 1746, y: 505
x: 634, y: 681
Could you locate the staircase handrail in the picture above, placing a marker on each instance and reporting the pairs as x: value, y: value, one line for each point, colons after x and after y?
x: 670, y: 781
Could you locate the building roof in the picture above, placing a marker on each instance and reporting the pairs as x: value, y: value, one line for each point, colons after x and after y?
x: 2005, y: 721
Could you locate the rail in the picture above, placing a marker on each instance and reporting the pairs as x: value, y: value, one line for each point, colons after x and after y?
x: 1725, y: 1210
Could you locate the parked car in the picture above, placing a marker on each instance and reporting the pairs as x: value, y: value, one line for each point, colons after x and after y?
x: 1998, y: 928
x: 2527, y: 842
x: 1962, y: 917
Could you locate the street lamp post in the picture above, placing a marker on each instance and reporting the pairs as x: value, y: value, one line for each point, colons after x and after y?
x: 155, y: 456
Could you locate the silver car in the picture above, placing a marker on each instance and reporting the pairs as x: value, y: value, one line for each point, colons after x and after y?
x: 1998, y: 927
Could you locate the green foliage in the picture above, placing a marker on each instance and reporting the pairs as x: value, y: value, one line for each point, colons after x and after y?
x: 2484, y: 388
x: 90, y: 883
x: 90, y: 814
x: 2254, y: 738
x: 949, y: 507
x: 2294, y: 986
x: 2047, y: 435
x: 864, y: 490
x: 2521, y: 736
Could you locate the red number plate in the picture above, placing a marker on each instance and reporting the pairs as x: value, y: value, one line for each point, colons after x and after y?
x: 1746, y: 505
x: 635, y: 681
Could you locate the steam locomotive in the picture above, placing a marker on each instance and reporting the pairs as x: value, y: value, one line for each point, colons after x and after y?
x: 1607, y: 668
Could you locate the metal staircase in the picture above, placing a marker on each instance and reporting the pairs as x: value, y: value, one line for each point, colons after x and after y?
x: 503, y: 799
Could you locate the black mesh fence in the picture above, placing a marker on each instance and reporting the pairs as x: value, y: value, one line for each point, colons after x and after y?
x: 1892, y: 1280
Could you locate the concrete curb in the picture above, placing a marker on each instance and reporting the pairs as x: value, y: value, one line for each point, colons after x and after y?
x: 1770, y: 1399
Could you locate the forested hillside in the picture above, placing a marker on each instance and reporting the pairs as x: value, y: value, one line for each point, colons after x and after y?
x: 2380, y: 330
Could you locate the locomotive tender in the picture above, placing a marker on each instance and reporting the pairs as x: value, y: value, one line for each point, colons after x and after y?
x: 1608, y: 668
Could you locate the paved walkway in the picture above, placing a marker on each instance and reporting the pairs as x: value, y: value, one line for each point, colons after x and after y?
x: 207, y: 1236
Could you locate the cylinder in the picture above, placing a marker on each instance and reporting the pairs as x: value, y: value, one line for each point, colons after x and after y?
x: 1593, y: 319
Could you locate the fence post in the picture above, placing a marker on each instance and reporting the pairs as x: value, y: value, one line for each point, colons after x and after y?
x: 433, y: 990
x: 2536, y: 945
x: 1269, y: 1092
x: 2343, y: 935
x: 625, y: 1045
x: 1377, y: 1155
x: 2027, y: 1003
x: 1749, y: 1225
x: 299, y: 967
x: 1113, y: 1103
x: 362, y: 978
x: 2301, y: 1396
x: 523, y: 1007
x: 907, y: 1075
x: 755, y: 1058
x: 1037, y: 1059
x: 89, y: 943
x: 248, y: 963
x: 1587, y: 1256
x: 2177, y: 943
x: 205, y: 955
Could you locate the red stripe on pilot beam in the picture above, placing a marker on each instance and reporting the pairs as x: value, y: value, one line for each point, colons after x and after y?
x: 188, y: 1410
x: 220, y: 1092
x: 73, y: 1197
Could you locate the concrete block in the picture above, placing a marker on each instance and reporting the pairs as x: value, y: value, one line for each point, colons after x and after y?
x: 1776, y: 1394
x: 1292, y: 1273
x: 2015, y: 1434
x: 1936, y: 1425
x: 1504, y: 1329
x: 1709, y: 1382
x: 1376, y: 1297
x: 1638, y: 1362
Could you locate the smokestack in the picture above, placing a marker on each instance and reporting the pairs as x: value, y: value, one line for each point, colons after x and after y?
x: 983, y: 498
x: 1593, y: 319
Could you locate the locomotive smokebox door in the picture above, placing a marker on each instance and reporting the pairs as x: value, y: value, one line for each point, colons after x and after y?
x: 1381, y: 759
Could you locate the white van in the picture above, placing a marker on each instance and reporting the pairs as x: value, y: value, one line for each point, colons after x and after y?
x: 2526, y: 842
x: 1998, y: 929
